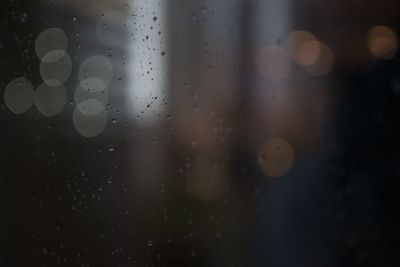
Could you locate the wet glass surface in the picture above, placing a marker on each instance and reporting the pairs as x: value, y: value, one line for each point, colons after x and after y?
x: 199, y: 133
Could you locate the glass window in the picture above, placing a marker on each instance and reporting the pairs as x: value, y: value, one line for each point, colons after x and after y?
x: 199, y: 133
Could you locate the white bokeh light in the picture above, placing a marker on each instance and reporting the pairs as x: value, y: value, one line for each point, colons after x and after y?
x: 56, y: 72
x: 90, y: 118
x: 50, y: 100
x: 53, y: 39
x: 96, y: 66
x: 18, y: 95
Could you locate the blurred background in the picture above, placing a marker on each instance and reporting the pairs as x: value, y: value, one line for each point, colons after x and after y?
x: 199, y: 133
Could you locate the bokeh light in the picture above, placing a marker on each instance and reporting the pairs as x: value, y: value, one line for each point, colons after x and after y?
x: 324, y: 64
x: 93, y: 85
x: 50, y: 100
x: 90, y: 118
x: 91, y: 107
x: 302, y: 47
x: 18, y: 95
x: 53, y: 39
x: 55, y: 73
x: 88, y: 90
x: 95, y: 67
x: 382, y: 42
x: 276, y: 157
